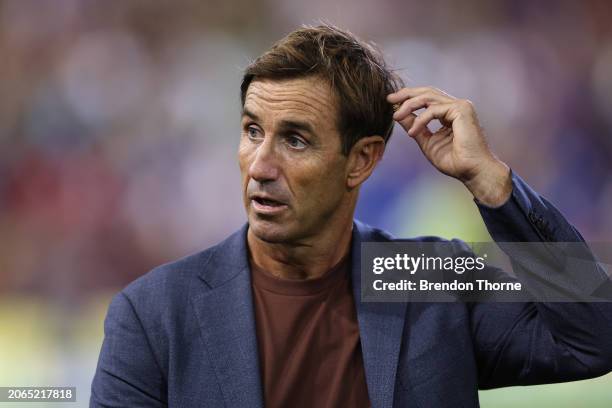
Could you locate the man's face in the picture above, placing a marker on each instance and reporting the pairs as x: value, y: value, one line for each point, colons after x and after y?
x: 293, y: 171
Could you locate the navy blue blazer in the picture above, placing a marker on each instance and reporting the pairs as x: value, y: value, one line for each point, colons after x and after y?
x: 183, y: 335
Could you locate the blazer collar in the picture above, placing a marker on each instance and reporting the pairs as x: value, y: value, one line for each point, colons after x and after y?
x: 227, y: 259
x: 227, y: 324
x: 380, y: 326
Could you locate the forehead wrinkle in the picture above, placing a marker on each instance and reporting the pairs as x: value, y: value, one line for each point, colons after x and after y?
x: 295, y: 101
x: 316, y: 107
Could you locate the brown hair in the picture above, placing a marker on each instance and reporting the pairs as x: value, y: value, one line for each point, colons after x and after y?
x: 355, y: 70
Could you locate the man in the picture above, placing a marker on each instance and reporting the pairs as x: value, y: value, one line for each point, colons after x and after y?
x: 272, y: 315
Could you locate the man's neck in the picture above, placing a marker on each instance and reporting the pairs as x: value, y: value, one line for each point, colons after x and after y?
x: 304, y: 260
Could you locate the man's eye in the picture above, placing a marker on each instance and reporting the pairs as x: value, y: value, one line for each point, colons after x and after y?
x: 296, y: 142
x: 253, y: 132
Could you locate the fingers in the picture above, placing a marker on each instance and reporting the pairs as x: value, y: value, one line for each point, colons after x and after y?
x: 412, y: 99
x: 438, y: 111
x: 421, y: 137
x: 435, y: 95
x: 407, y: 121
x: 439, y: 105
x: 412, y: 104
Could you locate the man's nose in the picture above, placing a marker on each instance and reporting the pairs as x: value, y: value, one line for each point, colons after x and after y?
x: 265, y: 163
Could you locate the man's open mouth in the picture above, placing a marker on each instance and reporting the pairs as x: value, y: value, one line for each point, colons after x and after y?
x: 267, y: 205
x: 267, y: 202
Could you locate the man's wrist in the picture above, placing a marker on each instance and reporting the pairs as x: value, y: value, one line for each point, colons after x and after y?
x: 493, y: 185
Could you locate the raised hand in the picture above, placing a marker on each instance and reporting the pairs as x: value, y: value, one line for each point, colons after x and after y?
x: 459, y: 148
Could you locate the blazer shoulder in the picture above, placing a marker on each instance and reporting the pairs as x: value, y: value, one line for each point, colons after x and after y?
x: 169, y: 280
x: 176, y: 281
x: 369, y: 233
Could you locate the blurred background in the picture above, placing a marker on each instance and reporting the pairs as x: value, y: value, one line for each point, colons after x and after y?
x: 119, y: 123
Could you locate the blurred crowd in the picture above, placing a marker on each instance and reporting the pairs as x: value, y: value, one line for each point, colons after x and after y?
x: 119, y: 122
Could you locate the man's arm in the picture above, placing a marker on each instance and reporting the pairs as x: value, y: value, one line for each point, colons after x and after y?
x: 534, y: 343
x: 127, y: 374
x: 515, y: 343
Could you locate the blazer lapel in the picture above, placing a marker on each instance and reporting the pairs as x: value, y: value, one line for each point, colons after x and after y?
x: 227, y: 322
x: 380, y: 327
x: 227, y: 325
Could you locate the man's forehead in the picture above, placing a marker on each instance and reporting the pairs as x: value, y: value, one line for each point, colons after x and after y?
x: 308, y: 98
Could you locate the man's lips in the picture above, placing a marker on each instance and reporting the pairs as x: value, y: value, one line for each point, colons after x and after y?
x: 266, y: 204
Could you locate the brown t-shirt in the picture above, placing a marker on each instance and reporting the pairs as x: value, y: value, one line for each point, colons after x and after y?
x: 308, y: 338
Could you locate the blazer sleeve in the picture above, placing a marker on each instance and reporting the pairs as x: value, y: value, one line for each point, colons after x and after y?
x: 538, y: 342
x: 127, y: 374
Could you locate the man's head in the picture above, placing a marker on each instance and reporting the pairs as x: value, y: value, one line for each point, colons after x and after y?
x: 315, y: 121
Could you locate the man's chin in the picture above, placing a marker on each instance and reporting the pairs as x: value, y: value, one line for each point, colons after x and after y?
x: 268, y: 231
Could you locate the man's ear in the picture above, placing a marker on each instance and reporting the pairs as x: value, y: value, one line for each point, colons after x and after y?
x: 362, y: 159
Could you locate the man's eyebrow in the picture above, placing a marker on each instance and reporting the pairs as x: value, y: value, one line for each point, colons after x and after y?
x: 287, y: 124
x: 247, y: 112
x: 296, y: 125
